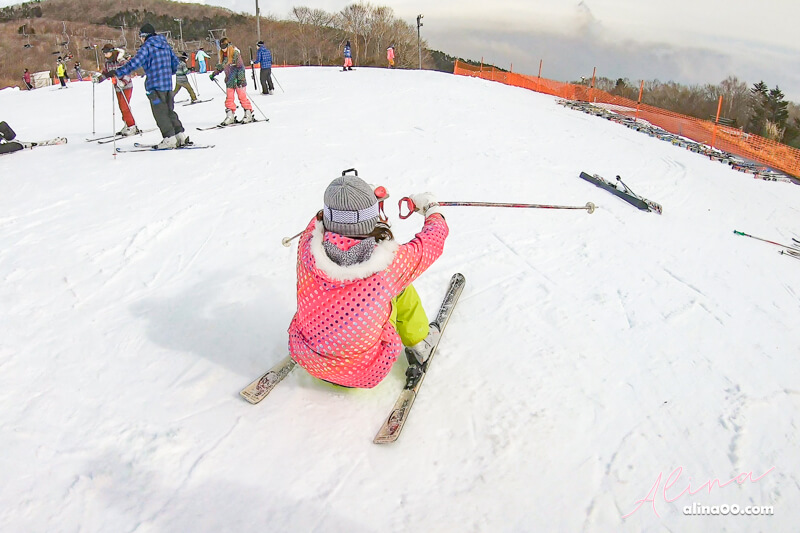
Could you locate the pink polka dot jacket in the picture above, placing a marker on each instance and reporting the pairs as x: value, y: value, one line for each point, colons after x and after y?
x: 341, y: 332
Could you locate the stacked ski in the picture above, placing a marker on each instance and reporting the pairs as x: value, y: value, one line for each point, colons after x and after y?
x: 416, y: 374
x: 624, y: 192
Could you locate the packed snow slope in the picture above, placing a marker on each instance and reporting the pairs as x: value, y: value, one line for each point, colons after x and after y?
x: 598, y: 370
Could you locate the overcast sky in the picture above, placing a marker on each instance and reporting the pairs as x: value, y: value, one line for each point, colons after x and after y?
x: 688, y: 41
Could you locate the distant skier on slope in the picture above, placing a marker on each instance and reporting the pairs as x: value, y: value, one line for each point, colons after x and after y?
x: 356, y: 307
x: 123, y: 88
x: 182, y: 79
x: 159, y: 63
x: 230, y: 61
x: 390, y: 56
x: 61, y: 72
x: 348, y: 57
x: 201, y: 57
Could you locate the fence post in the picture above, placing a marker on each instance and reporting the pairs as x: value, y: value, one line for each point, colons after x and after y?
x: 716, y: 122
x: 639, y: 103
x: 455, y: 67
x: 539, y: 80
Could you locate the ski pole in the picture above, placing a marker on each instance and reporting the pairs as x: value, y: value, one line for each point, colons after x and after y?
x: 409, y: 204
x: 196, y: 87
x: 765, y: 240
x: 94, y: 132
x: 279, y: 83
x: 287, y: 241
x: 114, y: 114
x: 220, y: 86
x: 252, y: 102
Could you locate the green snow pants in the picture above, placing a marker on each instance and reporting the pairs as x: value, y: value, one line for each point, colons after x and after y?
x: 408, y: 317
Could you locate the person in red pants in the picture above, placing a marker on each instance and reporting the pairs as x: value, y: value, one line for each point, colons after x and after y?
x: 123, y: 87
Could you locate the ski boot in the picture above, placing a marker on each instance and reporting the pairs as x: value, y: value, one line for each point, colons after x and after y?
x: 248, y: 116
x: 418, y: 354
x: 230, y: 118
x: 182, y: 139
x: 167, y: 142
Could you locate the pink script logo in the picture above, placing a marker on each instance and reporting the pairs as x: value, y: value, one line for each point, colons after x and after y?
x: 673, y: 479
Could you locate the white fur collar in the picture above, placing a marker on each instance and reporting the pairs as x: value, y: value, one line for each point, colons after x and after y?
x: 381, y: 258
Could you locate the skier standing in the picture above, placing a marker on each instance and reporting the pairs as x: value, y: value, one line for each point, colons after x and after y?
x: 230, y: 61
x: 182, y: 78
x: 78, y: 72
x: 123, y: 87
x: 61, y: 72
x: 159, y: 62
x: 348, y: 59
x: 356, y: 307
x: 264, y: 60
x: 390, y: 56
x: 201, y: 57
x: 26, y: 77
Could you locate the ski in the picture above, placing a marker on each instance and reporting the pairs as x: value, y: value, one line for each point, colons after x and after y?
x: 415, y: 374
x: 119, y: 137
x: 237, y: 123
x: 626, y: 194
x: 50, y: 142
x: 152, y: 148
x: 198, y: 101
x: 258, y: 390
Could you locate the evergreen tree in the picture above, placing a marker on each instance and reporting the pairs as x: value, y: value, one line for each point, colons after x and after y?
x: 758, y: 109
x: 777, y: 111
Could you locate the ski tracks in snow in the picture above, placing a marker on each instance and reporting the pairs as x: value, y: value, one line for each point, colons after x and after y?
x: 169, y: 244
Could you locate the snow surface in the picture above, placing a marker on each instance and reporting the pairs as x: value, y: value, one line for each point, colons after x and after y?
x: 589, y: 354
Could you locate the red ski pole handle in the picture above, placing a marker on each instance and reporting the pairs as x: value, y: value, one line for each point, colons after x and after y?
x: 409, y: 204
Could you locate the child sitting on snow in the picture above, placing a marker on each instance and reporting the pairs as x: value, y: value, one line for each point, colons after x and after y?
x: 356, y: 307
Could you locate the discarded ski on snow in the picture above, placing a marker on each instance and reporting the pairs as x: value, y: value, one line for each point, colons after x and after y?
x: 625, y: 193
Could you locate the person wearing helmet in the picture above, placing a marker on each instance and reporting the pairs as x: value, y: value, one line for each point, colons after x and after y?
x: 123, y: 87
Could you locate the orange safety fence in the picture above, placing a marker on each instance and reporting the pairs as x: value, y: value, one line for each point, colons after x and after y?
x: 765, y: 151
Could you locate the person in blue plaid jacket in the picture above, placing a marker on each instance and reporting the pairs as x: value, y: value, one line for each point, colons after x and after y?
x: 264, y: 59
x: 159, y: 63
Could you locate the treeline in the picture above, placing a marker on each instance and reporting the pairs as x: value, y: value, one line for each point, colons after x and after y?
x: 755, y: 109
x: 305, y: 37
x: 28, y: 10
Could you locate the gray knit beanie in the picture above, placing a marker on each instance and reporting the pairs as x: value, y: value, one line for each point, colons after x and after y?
x: 351, y: 207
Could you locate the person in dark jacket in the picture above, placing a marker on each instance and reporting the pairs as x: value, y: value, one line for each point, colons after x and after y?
x: 264, y: 59
x: 159, y: 63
